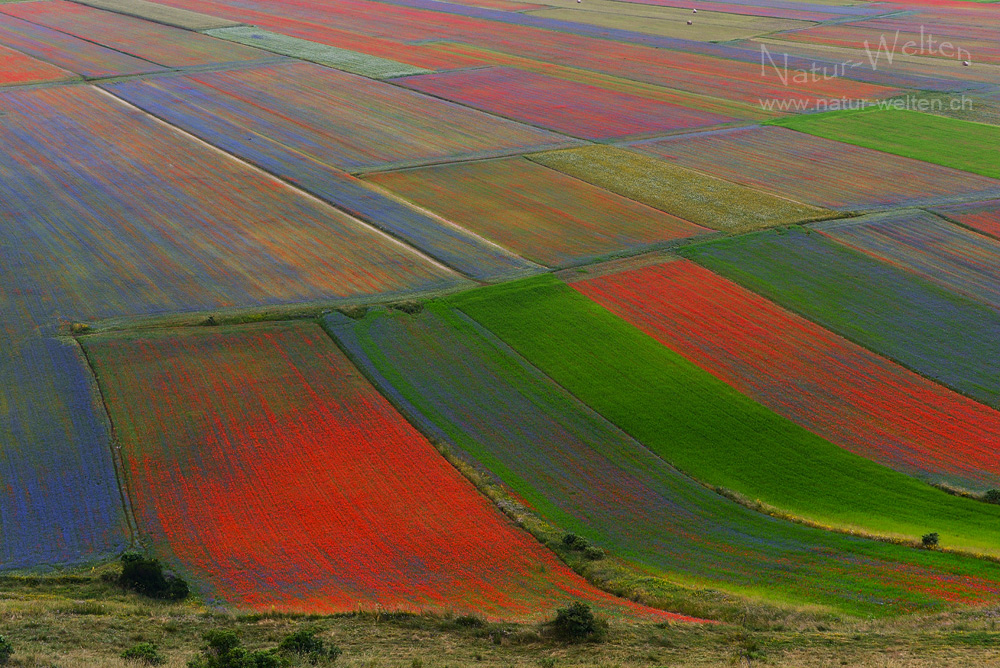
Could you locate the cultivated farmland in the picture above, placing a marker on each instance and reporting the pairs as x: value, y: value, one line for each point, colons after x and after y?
x: 297, y: 487
x: 421, y: 330
x: 681, y: 412
x: 955, y: 257
x: 541, y: 214
x: 834, y: 388
x: 580, y: 472
x: 938, y: 139
x: 819, y: 171
x: 944, y: 336
x: 694, y: 196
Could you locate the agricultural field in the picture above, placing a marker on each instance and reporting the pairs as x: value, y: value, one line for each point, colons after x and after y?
x: 839, y: 390
x: 980, y: 216
x: 577, y: 110
x: 688, y: 194
x: 159, y: 44
x: 933, y: 331
x: 499, y: 333
x: 70, y: 53
x: 581, y: 473
x: 955, y: 257
x: 958, y: 144
x: 539, y: 213
x: 710, y: 431
x: 819, y: 171
x: 279, y: 479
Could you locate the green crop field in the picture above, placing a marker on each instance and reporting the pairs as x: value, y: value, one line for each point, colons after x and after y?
x: 945, y: 141
x: 710, y: 431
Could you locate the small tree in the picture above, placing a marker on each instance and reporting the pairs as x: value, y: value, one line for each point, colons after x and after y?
x: 576, y: 623
x: 992, y: 496
x: 929, y: 539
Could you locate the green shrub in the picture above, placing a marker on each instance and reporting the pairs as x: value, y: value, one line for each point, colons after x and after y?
x: 145, y: 653
x: 992, y: 496
x: 223, y: 650
x: 593, y: 553
x: 6, y: 649
x: 930, y: 539
x: 306, y: 645
x: 574, y: 542
x: 145, y: 576
x: 470, y: 622
x: 576, y: 623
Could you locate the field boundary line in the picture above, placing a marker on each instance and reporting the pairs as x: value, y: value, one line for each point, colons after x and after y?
x: 121, y: 475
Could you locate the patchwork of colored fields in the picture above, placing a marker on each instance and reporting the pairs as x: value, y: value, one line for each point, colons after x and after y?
x: 540, y: 213
x: 961, y: 260
x: 151, y: 221
x: 341, y: 59
x: 944, y: 336
x: 159, y: 13
x: 752, y: 112
x: 575, y: 109
x: 275, y: 138
x: 271, y: 471
x: 696, y: 67
x: 136, y: 219
x: 694, y: 196
x: 587, y: 476
x: 817, y: 170
x: 70, y: 53
x: 945, y: 141
x: 709, y: 430
x: 17, y: 68
x: 340, y: 119
x: 666, y: 21
x: 837, y: 389
x: 982, y: 216
x: 154, y: 42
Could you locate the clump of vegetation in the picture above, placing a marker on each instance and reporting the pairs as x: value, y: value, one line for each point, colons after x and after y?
x: 930, y: 539
x: 577, y: 543
x: 145, y: 576
x: 224, y: 650
x: 144, y: 653
x: 6, y: 650
x: 470, y: 622
x: 305, y: 645
x: 354, y: 312
x: 577, y: 623
x: 992, y: 496
x: 79, y: 328
x: 409, y: 307
x: 209, y: 322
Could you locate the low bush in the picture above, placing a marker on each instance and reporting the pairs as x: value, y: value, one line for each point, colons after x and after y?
x: 577, y: 623
x: 144, y: 653
x: 223, y: 650
x: 145, y: 576
x: 307, y: 646
x: 930, y: 539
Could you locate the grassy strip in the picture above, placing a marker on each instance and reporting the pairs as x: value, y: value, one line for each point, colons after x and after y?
x: 964, y: 145
x: 709, y: 430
